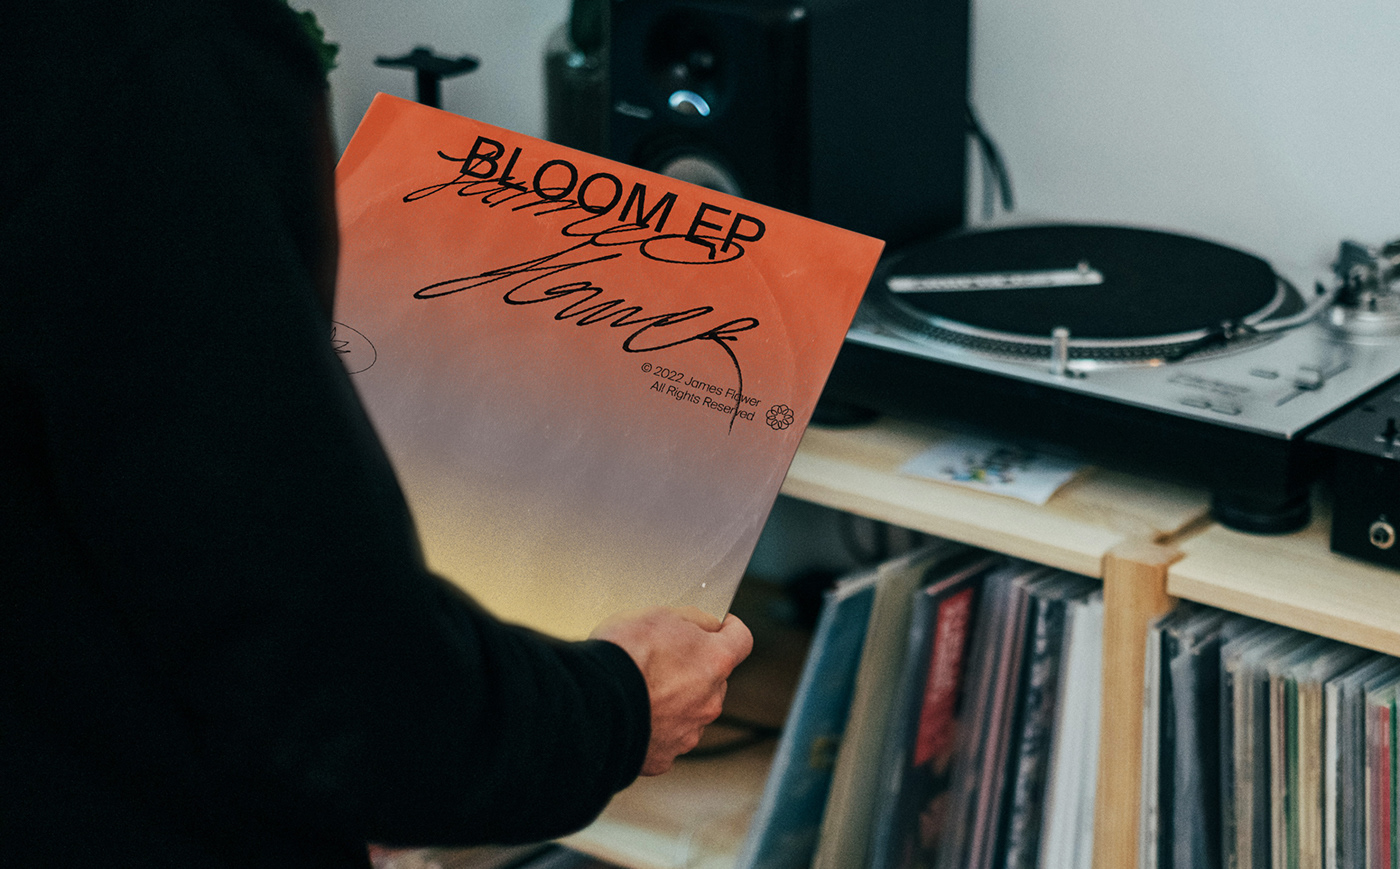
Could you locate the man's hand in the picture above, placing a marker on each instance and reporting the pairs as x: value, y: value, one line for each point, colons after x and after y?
x: 686, y: 656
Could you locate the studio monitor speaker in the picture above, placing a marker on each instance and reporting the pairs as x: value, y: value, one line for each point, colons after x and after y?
x: 848, y: 111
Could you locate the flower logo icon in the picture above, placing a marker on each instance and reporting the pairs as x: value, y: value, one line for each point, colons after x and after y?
x: 780, y: 416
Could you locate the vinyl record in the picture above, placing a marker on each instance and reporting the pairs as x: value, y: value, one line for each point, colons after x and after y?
x: 1115, y: 292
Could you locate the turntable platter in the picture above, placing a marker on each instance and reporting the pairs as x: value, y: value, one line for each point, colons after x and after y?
x: 1110, y: 287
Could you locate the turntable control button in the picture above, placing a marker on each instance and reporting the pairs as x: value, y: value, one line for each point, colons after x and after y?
x: 1308, y: 378
x: 1225, y: 407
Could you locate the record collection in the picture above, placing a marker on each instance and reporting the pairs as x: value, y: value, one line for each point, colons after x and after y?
x: 953, y: 699
x: 960, y: 732
x: 1270, y: 747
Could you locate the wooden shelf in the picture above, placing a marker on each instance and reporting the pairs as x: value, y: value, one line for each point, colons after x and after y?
x: 696, y: 815
x: 1294, y: 580
x: 1150, y: 542
x: 856, y: 469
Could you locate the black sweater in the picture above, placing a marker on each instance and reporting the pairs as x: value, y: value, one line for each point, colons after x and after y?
x: 218, y: 643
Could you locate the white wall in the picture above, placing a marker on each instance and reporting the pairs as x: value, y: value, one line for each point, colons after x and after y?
x: 1272, y: 125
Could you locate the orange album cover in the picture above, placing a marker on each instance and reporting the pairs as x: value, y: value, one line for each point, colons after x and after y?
x: 591, y: 379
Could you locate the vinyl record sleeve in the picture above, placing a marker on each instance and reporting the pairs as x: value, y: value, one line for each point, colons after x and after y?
x: 1194, y: 668
x: 1312, y: 735
x: 1380, y: 784
x: 995, y: 663
x: 1068, y: 840
x: 786, y: 823
x: 1283, y: 749
x: 849, y: 816
x: 1345, y: 773
x: 911, y: 764
x: 1244, y: 664
x: 591, y: 379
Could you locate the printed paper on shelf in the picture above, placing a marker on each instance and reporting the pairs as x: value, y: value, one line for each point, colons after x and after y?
x: 591, y: 379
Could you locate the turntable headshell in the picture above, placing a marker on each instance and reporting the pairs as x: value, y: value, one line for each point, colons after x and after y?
x: 1368, y: 301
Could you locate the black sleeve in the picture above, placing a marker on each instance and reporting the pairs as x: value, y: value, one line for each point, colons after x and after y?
x: 187, y: 457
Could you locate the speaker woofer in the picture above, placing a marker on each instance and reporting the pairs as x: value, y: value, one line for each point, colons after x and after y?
x: 702, y: 170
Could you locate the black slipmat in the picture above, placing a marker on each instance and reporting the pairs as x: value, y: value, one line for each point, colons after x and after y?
x: 1145, y: 273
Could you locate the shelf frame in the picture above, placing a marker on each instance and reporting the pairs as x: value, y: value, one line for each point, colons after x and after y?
x: 1151, y: 543
x: 1294, y: 580
x: 1113, y: 527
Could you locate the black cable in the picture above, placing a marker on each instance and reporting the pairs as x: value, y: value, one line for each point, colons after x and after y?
x: 995, y: 174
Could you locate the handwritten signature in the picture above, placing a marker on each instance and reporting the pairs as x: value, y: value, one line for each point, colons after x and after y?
x: 531, y: 281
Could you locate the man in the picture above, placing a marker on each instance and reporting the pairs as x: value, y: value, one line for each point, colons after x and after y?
x: 218, y: 644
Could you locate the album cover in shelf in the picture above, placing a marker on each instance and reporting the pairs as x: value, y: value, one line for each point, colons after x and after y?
x: 1229, y: 670
x: 1244, y: 663
x: 591, y: 379
x: 785, y: 826
x: 1283, y: 749
x: 1149, y: 790
x: 1037, y: 704
x: 846, y: 823
x: 1344, y: 774
x: 1305, y: 690
x: 911, y: 771
x: 981, y: 768
x: 1068, y: 837
x: 1380, y: 772
x: 1170, y: 674
x: 1188, y: 779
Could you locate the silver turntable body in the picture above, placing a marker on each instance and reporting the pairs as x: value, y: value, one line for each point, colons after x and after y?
x: 1159, y: 350
x: 1275, y: 381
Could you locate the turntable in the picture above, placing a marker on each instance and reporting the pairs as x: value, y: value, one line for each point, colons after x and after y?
x: 1163, y: 353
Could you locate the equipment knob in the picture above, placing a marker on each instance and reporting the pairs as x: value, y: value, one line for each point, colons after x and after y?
x: 1308, y: 378
x: 1382, y: 534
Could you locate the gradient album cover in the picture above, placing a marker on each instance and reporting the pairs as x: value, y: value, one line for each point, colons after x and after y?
x: 591, y: 379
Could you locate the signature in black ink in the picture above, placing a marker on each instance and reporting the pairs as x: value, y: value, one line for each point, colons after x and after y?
x: 580, y: 300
